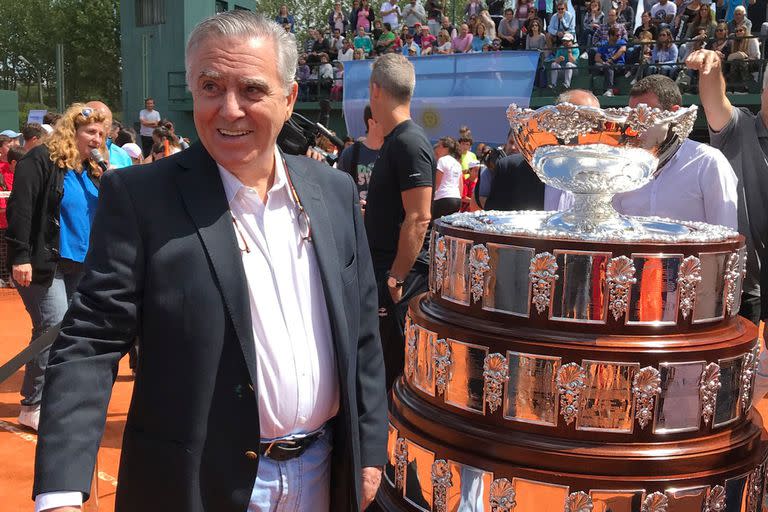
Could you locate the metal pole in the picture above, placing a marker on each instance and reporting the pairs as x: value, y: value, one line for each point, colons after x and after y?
x: 60, y: 77
x: 40, y: 86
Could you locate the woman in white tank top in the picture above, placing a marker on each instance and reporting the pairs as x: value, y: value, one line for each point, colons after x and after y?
x: 447, y: 178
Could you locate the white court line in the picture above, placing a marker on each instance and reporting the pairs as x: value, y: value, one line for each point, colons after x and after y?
x: 32, y: 438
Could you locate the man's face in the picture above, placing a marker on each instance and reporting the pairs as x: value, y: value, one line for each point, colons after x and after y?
x: 739, y: 16
x: 508, y: 15
x: 239, y: 102
x: 560, y: 11
x: 361, y: 31
x: 464, y: 29
x: 464, y: 146
x: 149, y: 105
x: 446, y: 21
x: 611, y: 17
x: 336, y: 33
x: 648, y: 98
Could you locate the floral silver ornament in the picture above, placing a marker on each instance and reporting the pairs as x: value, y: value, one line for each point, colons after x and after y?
x: 410, y: 350
x: 748, y: 371
x: 566, y: 121
x: 732, y: 274
x: 496, y: 374
x: 689, y: 279
x: 439, y: 262
x: 578, y: 502
x: 755, y: 489
x: 478, y: 267
x: 656, y: 502
x: 543, y: 272
x: 441, y: 481
x: 708, y: 387
x: 571, y: 379
x: 442, y: 364
x: 621, y: 276
x: 502, y: 496
x: 645, y: 386
x: 716, y: 500
x: 401, y: 462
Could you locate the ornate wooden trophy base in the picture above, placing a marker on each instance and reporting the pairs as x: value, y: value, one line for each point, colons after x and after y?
x: 549, y: 375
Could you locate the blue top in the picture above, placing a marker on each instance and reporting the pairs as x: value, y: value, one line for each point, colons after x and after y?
x: 566, y: 24
x: 118, y: 158
x: 478, y: 43
x: 78, y: 207
x: 668, y: 56
x: 731, y: 6
x: 607, y: 50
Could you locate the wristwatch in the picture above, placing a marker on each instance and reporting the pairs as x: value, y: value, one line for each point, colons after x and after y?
x: 394, y: 282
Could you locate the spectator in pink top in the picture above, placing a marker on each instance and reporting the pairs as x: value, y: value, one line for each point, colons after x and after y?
x: 427, y: 41
x: 462, y: 43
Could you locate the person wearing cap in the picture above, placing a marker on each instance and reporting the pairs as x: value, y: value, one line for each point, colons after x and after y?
x: 14, y: 138
x: 413, y: 14
x: 565, y: 62
x: 427, y: 41
x: 410, y: 48
x: 48, y: 231
x: 134, y: 151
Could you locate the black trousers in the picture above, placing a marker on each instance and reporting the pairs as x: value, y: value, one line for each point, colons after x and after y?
x: 750, y: 308
x: 392, y: 318
x: 445, y: 206
x: 146, y: 145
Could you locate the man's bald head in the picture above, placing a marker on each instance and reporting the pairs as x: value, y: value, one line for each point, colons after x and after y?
x: 104, y: 109
x: 580, y: 97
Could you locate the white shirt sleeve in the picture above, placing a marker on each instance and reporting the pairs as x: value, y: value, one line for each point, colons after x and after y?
x: 49, y: 500
x: 718, y: 185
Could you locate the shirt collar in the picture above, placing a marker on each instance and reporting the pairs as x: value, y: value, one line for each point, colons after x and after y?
x: 232, y: 184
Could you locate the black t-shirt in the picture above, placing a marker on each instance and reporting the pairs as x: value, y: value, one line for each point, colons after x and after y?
x: 406, y: 161
x: 515, y: 186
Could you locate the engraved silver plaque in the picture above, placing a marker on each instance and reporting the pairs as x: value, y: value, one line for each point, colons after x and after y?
x: 607, y: 401
x: 539, y: 496
x: 389, y: 467
x: 470, y: 489
x: 737, y: 494
x: 580, y: 292
x: 424, y: 373
x: 689, y: 498
x: 507, y: 285
x: 532, y: 394
x: 617, y: 501
x: 678, y: 408
x: 457, y: 279
x: 727, y: 403
x: 466, y: 382
x: 418, y: 477
x: 710, y: 294
x: 654, y: 299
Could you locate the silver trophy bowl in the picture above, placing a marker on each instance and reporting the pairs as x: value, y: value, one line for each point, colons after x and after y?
x: 597, y: 153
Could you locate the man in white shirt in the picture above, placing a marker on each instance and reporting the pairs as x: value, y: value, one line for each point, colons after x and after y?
x: 248, y: 276
x: 663, y: 13
x: 697, y: 184
x: 414, y: 13
x: 390, y: 13
x: 149, y: 119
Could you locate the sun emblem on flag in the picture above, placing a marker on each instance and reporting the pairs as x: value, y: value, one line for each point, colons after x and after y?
x: 430, y: 118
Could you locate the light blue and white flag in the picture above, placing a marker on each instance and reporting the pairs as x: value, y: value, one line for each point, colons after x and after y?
x: 452, y: 91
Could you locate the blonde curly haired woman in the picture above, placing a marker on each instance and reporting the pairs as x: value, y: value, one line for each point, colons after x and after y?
x: 56, y: 189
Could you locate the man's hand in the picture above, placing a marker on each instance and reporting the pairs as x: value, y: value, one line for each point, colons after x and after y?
x: 314, y: 155
x: 22, y: 274
x: 371, y: 479
x: 704, y: 61
x: 396, y: 292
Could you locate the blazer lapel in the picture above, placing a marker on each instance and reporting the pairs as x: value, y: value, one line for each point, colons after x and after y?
x: 206, y: 203
x: 311, y: 195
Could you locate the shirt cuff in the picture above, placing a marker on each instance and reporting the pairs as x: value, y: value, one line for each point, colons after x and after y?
x: 48, y: 500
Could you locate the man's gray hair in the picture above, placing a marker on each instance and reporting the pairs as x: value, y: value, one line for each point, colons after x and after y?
x: 242, y: 24
x: 395, y: 74
x: 579, y: 97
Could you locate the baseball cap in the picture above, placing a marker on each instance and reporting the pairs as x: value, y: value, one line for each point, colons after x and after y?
x: 10, y: 133
x: 133, y: 150
x: 472, y: 164
x: 48, y: 128
x: 417, y: 24
x: 567, y: 36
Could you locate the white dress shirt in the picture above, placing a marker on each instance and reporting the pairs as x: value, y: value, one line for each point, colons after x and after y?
x: 298, y: 382
x: 556, y: 199
x: 697, y: 184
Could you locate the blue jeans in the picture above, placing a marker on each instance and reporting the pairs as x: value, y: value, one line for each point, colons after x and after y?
x: 46, y: 307
x: 302, y: 484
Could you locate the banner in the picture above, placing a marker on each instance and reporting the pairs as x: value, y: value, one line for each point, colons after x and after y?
x: 452, y: 91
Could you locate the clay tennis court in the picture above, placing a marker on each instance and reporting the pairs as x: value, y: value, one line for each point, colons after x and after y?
x: 17, y: 444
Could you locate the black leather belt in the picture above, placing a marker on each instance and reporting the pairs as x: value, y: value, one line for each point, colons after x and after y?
x: 287, y: 449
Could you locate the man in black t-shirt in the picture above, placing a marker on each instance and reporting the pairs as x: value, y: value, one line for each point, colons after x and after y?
x: 398, y: 214
x: 358, y: 159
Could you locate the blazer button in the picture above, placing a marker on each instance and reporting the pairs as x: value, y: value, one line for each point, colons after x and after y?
x: 251, y: 455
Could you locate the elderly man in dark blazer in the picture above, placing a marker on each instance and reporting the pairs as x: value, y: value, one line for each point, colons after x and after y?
x: 248, y: 278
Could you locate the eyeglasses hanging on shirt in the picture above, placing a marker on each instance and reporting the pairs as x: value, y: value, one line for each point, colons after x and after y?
x: 302, y: 218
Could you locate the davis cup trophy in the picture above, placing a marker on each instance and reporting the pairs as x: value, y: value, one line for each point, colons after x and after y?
x: 582, y: 361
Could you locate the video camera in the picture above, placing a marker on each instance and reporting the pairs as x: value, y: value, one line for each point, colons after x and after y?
x: 300, y: 134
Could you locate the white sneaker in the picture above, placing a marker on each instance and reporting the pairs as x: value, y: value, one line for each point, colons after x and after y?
x: 30, y: 416
x: 628, y: 74
x: 633, y: 82
x: 608, y: 93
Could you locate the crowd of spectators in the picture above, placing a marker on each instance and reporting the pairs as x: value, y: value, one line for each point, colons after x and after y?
x: 666, y: 32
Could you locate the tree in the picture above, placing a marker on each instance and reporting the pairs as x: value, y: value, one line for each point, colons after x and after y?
x: 307, y: 14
